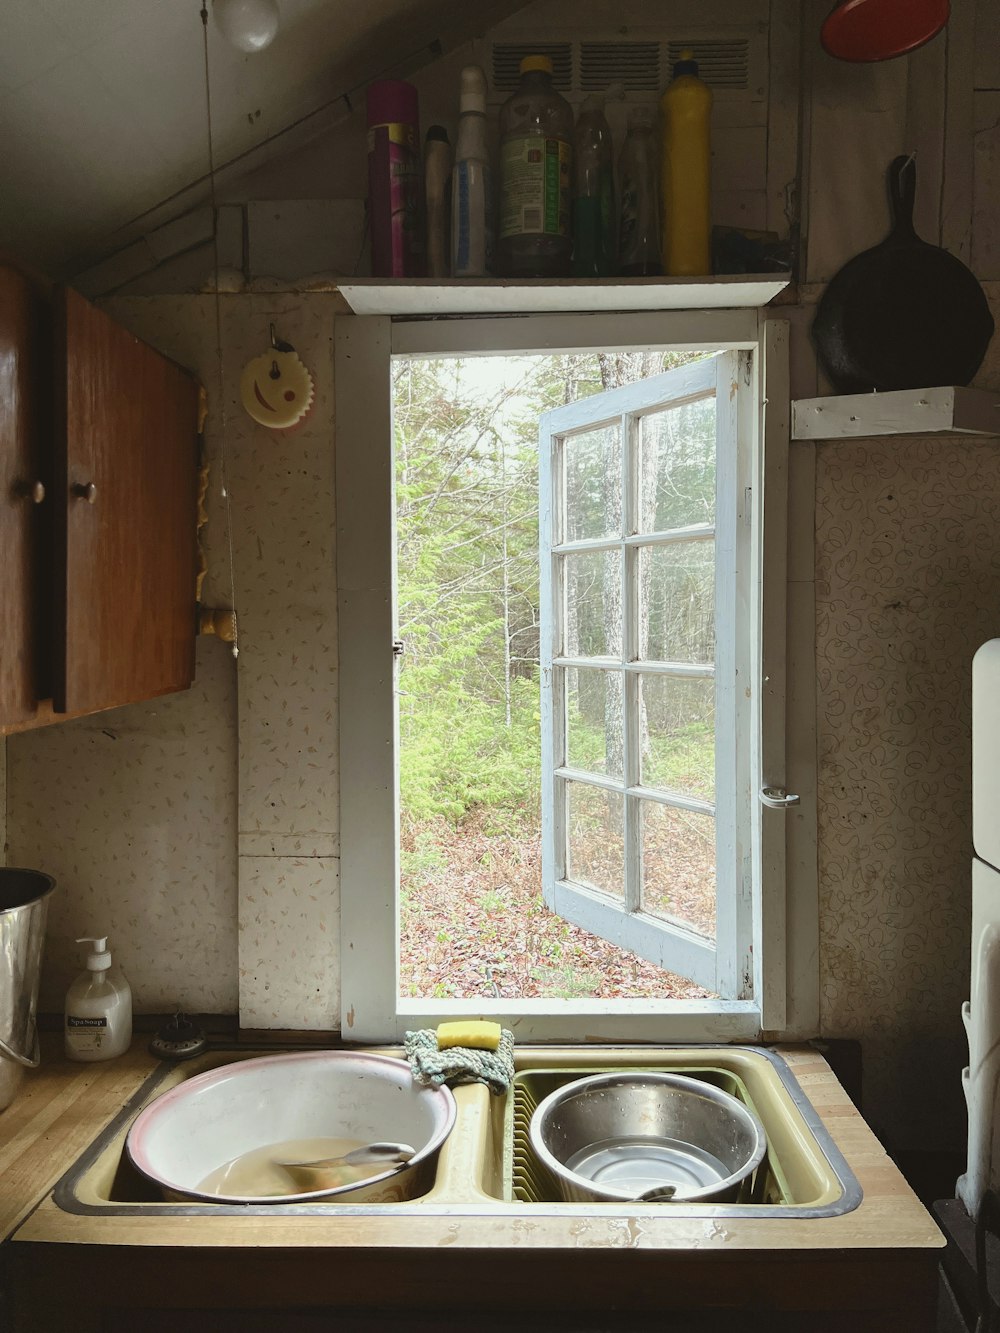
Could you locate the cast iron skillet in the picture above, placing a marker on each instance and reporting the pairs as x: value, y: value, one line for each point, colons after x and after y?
x: 905, y: 314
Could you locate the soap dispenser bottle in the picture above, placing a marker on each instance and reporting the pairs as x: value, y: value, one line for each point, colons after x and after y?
x: 98, y: 1008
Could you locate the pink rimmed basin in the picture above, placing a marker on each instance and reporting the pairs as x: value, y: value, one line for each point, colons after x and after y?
x: 182, y: 1136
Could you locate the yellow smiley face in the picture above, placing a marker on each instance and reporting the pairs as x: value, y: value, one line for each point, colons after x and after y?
x: 276, y: 389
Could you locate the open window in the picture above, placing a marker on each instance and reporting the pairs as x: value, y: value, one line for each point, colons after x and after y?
x: 644, y: 562
x: 661, y: 671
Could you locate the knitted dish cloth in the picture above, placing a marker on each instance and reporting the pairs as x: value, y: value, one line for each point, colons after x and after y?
x: 459, y: 1064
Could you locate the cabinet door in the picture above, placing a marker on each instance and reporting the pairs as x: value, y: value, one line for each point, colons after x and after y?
x: 127, y: 441
x: 25, y: 460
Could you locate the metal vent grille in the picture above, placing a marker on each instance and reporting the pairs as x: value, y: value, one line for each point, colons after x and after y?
x: 507, y: 57
x: 635, y: 65
x: 721, y: 64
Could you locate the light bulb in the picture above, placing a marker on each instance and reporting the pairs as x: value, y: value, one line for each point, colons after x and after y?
x: 249, y: 25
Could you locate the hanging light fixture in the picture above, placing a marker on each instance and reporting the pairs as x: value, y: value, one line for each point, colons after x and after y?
x: 249, y: 25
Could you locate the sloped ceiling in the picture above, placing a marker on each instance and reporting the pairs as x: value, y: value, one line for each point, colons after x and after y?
x: 103, y: 102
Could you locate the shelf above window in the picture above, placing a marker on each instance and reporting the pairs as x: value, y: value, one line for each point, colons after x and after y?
x: 501, y: 296
x: 948, y: 409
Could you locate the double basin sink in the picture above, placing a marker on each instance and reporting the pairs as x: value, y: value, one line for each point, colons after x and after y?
x: 487, y: 1162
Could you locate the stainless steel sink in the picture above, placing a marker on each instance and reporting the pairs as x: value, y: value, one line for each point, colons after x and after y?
x: 486, y: 1163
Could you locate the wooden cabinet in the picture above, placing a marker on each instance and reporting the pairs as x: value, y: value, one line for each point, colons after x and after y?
x: 25, y: 495
x: 102, y: 431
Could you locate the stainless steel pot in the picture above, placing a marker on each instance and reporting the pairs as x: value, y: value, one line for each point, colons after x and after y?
x: 613, y: 1136
x: 23, y: 908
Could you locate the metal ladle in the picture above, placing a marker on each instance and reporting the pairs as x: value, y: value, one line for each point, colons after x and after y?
x: 657, y: 1194
x: 398, y: 1153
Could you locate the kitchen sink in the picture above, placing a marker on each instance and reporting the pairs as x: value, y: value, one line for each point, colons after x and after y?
x: 487, y: 1162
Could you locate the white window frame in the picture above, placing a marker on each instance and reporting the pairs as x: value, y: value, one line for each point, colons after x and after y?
x: 723, y: 964
x: 784, y: 914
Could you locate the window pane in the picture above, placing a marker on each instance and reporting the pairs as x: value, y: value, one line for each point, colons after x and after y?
x: 593, y: 601
x: 678, y: 866
x: 593, y: 467
x: 595, y: 838
x: 677, y: 468
x: 594, y: 721
x: 677, y: 729
x: 677, y: 602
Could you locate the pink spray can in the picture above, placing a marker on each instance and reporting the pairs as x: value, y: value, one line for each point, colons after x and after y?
x: 394, y: 180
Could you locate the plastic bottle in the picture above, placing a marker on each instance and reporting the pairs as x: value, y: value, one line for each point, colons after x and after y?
x: 536, y: 165
x: 472, y: 184
x: 437, y: 201
x: 639, y: 225
x: 593, y: 194
x: 98, y: 1019
x: 394, y: 180
x: 685, y: 179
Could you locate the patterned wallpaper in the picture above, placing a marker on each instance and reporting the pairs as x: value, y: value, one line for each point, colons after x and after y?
x: 907, y: 588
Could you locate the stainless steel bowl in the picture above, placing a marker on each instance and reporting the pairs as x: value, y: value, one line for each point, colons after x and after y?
x: 612, y: 1136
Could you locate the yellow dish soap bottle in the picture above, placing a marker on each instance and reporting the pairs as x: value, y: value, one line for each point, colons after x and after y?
x: 686, y: 175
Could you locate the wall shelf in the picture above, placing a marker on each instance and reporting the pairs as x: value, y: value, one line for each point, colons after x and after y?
x: 501, y: 296
x: 948, y: 409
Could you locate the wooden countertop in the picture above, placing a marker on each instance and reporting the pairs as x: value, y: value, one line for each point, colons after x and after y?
x: 63, y: 1106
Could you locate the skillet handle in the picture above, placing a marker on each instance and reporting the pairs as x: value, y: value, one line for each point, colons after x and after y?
x: 902, y: 192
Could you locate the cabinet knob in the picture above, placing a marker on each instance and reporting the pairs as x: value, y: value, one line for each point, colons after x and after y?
x: 84, y: 490
x: 30, y: 490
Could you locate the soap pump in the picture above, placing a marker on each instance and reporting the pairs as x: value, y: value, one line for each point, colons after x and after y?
x: 98, y: 1008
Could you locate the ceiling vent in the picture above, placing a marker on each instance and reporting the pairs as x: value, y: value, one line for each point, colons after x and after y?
x: 732, y: 63
x: 635, y: 65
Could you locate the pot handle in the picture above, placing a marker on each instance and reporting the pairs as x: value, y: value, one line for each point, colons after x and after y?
x: 902, y: 193
x: 29, y: 1061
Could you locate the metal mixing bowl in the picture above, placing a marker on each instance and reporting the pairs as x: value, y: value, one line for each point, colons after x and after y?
x: 612, y: 1136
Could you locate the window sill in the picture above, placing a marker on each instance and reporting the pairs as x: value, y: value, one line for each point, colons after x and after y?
x: 947, y: 410
x: 500, y: 296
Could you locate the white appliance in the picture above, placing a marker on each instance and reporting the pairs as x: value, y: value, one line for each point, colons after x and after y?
x: 981, y: 1013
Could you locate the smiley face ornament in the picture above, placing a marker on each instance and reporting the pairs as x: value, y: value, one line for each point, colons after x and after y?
x: 276, y: 389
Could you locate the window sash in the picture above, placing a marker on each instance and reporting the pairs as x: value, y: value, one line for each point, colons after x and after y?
x: 722, y: 963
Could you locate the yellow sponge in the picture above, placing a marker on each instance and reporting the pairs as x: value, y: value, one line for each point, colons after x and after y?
x: 476, y: 1033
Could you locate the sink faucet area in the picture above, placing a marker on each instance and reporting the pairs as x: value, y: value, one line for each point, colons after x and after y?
x: 826, y: 1226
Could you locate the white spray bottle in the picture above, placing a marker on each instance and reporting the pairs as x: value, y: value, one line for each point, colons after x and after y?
x: 98, y: 1023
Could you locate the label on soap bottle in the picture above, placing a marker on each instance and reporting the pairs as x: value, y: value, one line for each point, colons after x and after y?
x: 86, y: 1034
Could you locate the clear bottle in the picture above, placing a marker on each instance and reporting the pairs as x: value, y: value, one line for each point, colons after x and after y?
x: 686, y: 178
x: 536, y: 166
x: 437, y: 201
x: 472, y: 183
x: 639, y: 218
x: 593, y: 194
x: 98, y: 1017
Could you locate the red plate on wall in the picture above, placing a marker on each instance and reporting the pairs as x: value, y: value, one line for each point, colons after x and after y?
x: 866, y: 30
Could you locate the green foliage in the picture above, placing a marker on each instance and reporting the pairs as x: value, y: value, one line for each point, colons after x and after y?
x: 466, y: 437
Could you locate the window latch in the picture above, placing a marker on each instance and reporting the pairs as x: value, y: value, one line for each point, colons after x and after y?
x: 776, y: 798
x: 397, y: 647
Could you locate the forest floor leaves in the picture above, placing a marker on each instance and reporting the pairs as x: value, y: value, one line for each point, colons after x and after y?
x: 473, y: 924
